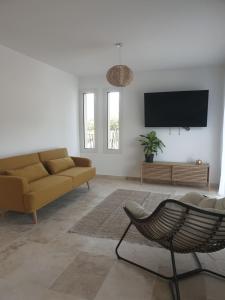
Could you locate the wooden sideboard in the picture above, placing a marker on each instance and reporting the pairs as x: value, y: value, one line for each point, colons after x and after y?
x: 173, y: 172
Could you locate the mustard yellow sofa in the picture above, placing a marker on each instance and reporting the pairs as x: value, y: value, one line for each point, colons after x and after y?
x: 29, y: 182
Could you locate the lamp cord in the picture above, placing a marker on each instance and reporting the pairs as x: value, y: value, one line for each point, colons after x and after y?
x: 119, y: 46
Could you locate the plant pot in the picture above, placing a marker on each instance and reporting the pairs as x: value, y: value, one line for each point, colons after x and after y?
x: 149, y: 158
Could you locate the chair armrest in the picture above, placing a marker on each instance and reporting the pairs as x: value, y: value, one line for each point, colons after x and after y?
x: 82, y: 161
x: 12, y: 190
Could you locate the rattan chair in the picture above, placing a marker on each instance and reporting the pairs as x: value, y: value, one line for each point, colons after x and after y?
x: 180, y: 228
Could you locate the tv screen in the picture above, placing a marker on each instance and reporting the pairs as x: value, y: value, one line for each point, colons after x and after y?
x: 176, y: 109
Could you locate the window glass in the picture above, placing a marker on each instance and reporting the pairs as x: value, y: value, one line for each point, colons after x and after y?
x: 89, y: 120
x: 113, y: 123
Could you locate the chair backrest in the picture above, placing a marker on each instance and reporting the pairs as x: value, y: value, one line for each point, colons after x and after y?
x: 191, y: 229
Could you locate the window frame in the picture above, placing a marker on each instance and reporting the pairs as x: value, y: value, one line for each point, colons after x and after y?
x: 82, y: 129
x: 105, y: 121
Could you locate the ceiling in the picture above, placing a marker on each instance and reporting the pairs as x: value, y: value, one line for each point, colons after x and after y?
x: 77, y: 36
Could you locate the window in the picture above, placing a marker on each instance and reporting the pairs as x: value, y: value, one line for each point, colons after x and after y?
x: 89, y: 134
x: 113, y: 120
x: 100, y: 121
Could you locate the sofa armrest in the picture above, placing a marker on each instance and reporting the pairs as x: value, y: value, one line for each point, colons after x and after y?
x: 82, y: 161
x: 12, y: 190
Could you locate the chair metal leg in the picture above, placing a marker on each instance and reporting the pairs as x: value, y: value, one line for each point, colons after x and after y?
x: 213, y: 273
x: 133, y: 263
x: 198, y: 270
x: 123, y: 236
x: 173, y: 280
x: 88, y: 185
x: 197, y: 260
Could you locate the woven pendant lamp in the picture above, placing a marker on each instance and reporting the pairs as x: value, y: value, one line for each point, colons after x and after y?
x: 119, y: 75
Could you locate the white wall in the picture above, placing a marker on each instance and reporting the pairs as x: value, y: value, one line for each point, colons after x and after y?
x: 199, y: 143
x: 38, y: 106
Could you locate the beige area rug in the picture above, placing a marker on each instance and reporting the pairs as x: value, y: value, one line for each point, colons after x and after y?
x: 108, y: 219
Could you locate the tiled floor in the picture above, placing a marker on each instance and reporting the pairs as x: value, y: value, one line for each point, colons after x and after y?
x: 44, y: 262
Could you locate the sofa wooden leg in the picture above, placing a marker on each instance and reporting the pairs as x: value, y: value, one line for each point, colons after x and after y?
x: 88, y: 185
x: 34, y: 216
x: 3, y: 213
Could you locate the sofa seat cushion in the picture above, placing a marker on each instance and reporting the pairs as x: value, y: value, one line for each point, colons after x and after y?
x: 45, y: 190
x: 31, y: 173
x: 79, y: 175
x: 57, y: 165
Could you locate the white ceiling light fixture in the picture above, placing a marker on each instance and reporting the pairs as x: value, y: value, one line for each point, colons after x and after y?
x: 119, y: 75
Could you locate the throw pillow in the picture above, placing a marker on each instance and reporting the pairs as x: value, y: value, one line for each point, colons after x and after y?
x: 31, y: 173
x: 57, y: 165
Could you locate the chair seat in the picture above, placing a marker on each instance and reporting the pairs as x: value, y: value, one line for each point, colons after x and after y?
x: 79, y: 175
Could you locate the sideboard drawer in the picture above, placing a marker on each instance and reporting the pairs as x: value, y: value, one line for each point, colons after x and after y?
x: 176, y: 172
x: 156, y: 172
x: 193, y: 174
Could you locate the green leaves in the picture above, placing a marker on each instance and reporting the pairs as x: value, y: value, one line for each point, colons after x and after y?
x: 151, y: 143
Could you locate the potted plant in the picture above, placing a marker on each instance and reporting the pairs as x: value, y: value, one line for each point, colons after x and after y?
x: 151, y: 145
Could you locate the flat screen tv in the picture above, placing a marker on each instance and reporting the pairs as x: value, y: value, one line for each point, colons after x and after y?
x: 176, y: 109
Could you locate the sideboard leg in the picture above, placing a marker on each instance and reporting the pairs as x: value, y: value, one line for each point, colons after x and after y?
x: 208, y: 186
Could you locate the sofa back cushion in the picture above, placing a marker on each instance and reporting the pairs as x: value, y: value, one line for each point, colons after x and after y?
x: 19, y: 161
x: 52, y: 154
x: 31, y: 173
x: 57, y: 165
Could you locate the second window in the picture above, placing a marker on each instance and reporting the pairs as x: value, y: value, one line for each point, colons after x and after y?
x: 113, y: 120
